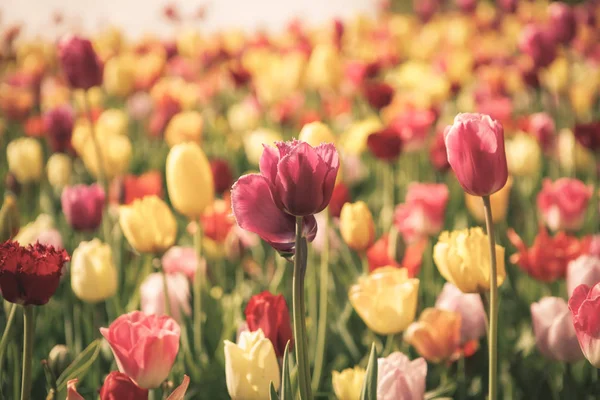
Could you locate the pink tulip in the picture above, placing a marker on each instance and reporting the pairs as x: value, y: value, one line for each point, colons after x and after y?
x: 542, y: 127
x: 413, y: 127
x: 153, y: 297
x: 144, y: 346
x: 595, y: 246
x: 562, y: 203
x: 562, y: 21
x: 466, y: 5
x: 72, y: 393
x: 469, y: 306
x: 83, y: 206
x: 538, y: 44
x: 554, y: 333
x: 584, y: 270
x: 398, y: 378
x: 585, y: 310
x: 422, y: 214
x: 475, y: 146
x: 79, y: 61
x: 181, y: 259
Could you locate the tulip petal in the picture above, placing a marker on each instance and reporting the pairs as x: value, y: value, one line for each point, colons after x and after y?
x: 268, y: 163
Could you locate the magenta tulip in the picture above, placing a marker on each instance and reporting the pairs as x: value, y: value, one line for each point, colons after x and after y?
x: 562, y: 20
x: 82, y: 206
x: 58, y: 124
x: 584, y: 270
x: 538, y: 43
x: 80, y: 63
x: 475, y: 146
x: 585, y: 310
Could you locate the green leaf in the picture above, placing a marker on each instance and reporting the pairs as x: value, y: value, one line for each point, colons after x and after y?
x: 273, y: 392
x: 286, y: 384
x: 369, y: 389
x: 80, y: 365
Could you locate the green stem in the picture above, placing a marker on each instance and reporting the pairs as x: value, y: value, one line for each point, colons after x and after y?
x: 29, y: 329
x: 389, y: 345
x: 6, y: 334
x: 166, y: 294
x: 493, y: 315
x: 322, y: 327
x: 198, y: 284
x: 299, y: 314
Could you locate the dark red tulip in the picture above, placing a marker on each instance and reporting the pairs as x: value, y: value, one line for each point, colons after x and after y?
x: 80, y: 63
x: 378, y: 94
x: 386, y: 144
x: 118, y: 386
x: 588, y: 135
x: 58, y: 124
x: 562, y: 20
x: 537, y: 42
x: 83, y: 206
x: 222, y: 175
x: 270, y: 313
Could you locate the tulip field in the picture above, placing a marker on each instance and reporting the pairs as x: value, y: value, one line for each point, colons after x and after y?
x: 396, y: 206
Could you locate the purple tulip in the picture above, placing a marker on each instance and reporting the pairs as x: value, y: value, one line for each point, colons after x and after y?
x: 80, y: 63
x: 555, y: 335
x: 399, y: 378
x: 470, y: 308
x: 58, y: 124
x: 538, y: 43
x: 583, y: 270
x: 83, y: 206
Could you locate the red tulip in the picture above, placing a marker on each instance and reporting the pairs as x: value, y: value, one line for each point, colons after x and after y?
x: 58, y: 124
x: 217, y: 221
x: 583, y: 270
x: 378, y: 256
x: 425, y: 9
x: 270, y: 313
x: 438, y: 154
x: 386, y: 144
x: 422, y: 214
x: 562, y: 21
x: 585, y: 310
x: 222, y: 175
x: 340, y: 196
x: 378, y: 94
x: 563, y: 203
x: 542, y: 127
x: 83, y: 206
x: 79, y: 61
x: 475, y: 145
x: 588, y: 135
x: 118, y: 386
x: 131, y: 187
x: 538, y: 44
x: 30, y: 275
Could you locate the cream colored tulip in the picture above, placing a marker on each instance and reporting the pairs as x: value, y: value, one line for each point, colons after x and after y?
x: 523, y: 155
x: 316, y: 133
x: 347, y: 385
x: 25, y: 159
x: 59, y: 168
x: 93, y: 272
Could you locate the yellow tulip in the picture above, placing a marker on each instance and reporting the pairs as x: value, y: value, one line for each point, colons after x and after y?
x: 93, y: 273
x: 148, y: 224
x: 59, y: 168
x: 436, y: 335
x: 9, y: 218
x: 184, y: 127
x: 386, y: 299
x: 29, y: 233
x: 94, y: 97
x: 556, y: 77
x: 524, y: 155
x: 463, y: 258
x: 583, y: 96
x: 354, y: 140
x: 119, y: 75
x: 499, y: 201
x: 244, y: 116
x: 571, y: 154
x: 356, y: 225
x: 113, y: 121
x: 316, y: 133
x: 189, y: 43
x: 25, y: 159
x: 324, y: 69
x: 347, y: 385
x: 115, y: 153
x: 189, y: 180
x: 253, y: 143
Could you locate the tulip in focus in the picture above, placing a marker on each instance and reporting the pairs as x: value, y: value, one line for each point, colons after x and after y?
x: 386, y: 299
x: 25, y: 159
x: 185, y: 126
x: 79, y: 61
x: 348, y: 384
x: 251, y: 366
x: 524, y: 156
x: 475, y: 145
x: 356, y: 226
x: 93, y: 273
x: 144, y: 346
x: 83, y: 206
x: 563, y: 203
x: 118, y: 386
x: 148, y: 224
x: 470, y: 308
x: 398, y: 378
x: 555, y: 335
x: 59, y: 168
x: 584, y: 270
x: 436, y: 335
x: 463, y: 258
x: 152, y: 296
x: 422, y: 214
x: 584, y: 305
x: 499, y: 202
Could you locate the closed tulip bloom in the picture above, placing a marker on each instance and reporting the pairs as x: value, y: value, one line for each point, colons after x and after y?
x: 498, y: 200
x: 250, y: 367
x: 270, y: 314
x: 378, y: 94
x: 148, y: 224
x: 538, y: 44
x: 588, y: 135
x: 59, y: 168
x: 185, y: 126
x: 58, y: 124
x: 93, y: 272
x: 189, y: 180
x: 385, y: 144
x: 563, y: 203
x: 463, y: 258
x: 542, y: 127
x: 115, y: 152
x: 524, y: 155
x: 152, y: 296
x: 584, y: 270
x: 324, y: 68
x: 119, y: 75
x: 181, y: 259
x: 118, y: 386
x: 475, y: 145
x: 562, y: 20
x: 436, y: 335
x: 555, y: 335
x: 132, y: 187
x: 357, y: 226
x: 470, y: 308
x: 585, y: 309
x: 316, y: 133
x: 386, y: 299
x: 399, y: 378
x: 348, y: 384
x: 80, y: 63
x: 25, y: 159
x: 83, y: 206
x: 222, y: 175
x: 144, y: 346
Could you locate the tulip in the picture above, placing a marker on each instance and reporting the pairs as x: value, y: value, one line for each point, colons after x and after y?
x: 524, y: 155
x: 9, y: 218
x: 470, y: 308
x: 562, y: 20
x: 72, y: 393
x: 438, y: 154
x: 51, y: 237
x: 222, y: 175
x: 144, y: 346
x: 115, y: 152
x: 563, y: 203
x: 30, y: 275
x: 386, y: 299
x: 549, y: 256
x: 244, y: 116
x: 132, y: 187
x: 348, y: 384
x: 59, y: 168
x: 58, y: 124
x: 139, y: 106
x: 152, y: 296
x: 250, y: 367
x: 379, y: 256
x: 316, y: 133
x: 269, y: 313
x: 538, y: 44
x: 93, y: 273
x: 185, y: 126
x: 378, y: 94
x: 255, y: 141
x: 422, y: 214
x: 339, y: 197
x: 584, y: 270
x: 588, y: 135
x: 498, y: 200
x: 30, y: 233
x: 118, y: 386
x: 357, y: 226
x: 585, y: 308
x: 386, y: 144
x: 542, y: 127
x: 181, y: 259
x: 463, y: 258
x: 572, y: 155
x: 324, y: 68
x: 59, y: 359
x: 475, y: 145
x: 425, y: 9
x: 555, y: 335
x: 25, y: 159
x: 119, y: 75
x: 189, y: 180
x: 413, y: 127
x: 83, y: 206
x: 436, y: 335
x: 398, y: 378
x: 112, y: 122
x: 80, y: 63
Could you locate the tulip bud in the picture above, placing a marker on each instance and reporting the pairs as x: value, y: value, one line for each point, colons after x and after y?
x: 348, y: 384
x: 119, y: 75
x: 83, y: 206
x: 80, y: 63
x: 59, y: 359
x: 25, y: 159
x: 524, y: 155
x: 148, y: 225
x: 93, y: 273
x: 562, y: 20
x: 563, y: 203
x: 58, y: 124
x: 189, y: 180
x: 356, y: 225
x: 185, y: 126
x: 316, y: 133
x: 222, y: 175
x: 152, y: 296
x: 59, y: 168
x: 538, y: 44
x: 498, y: 200
x: 9, y: 218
